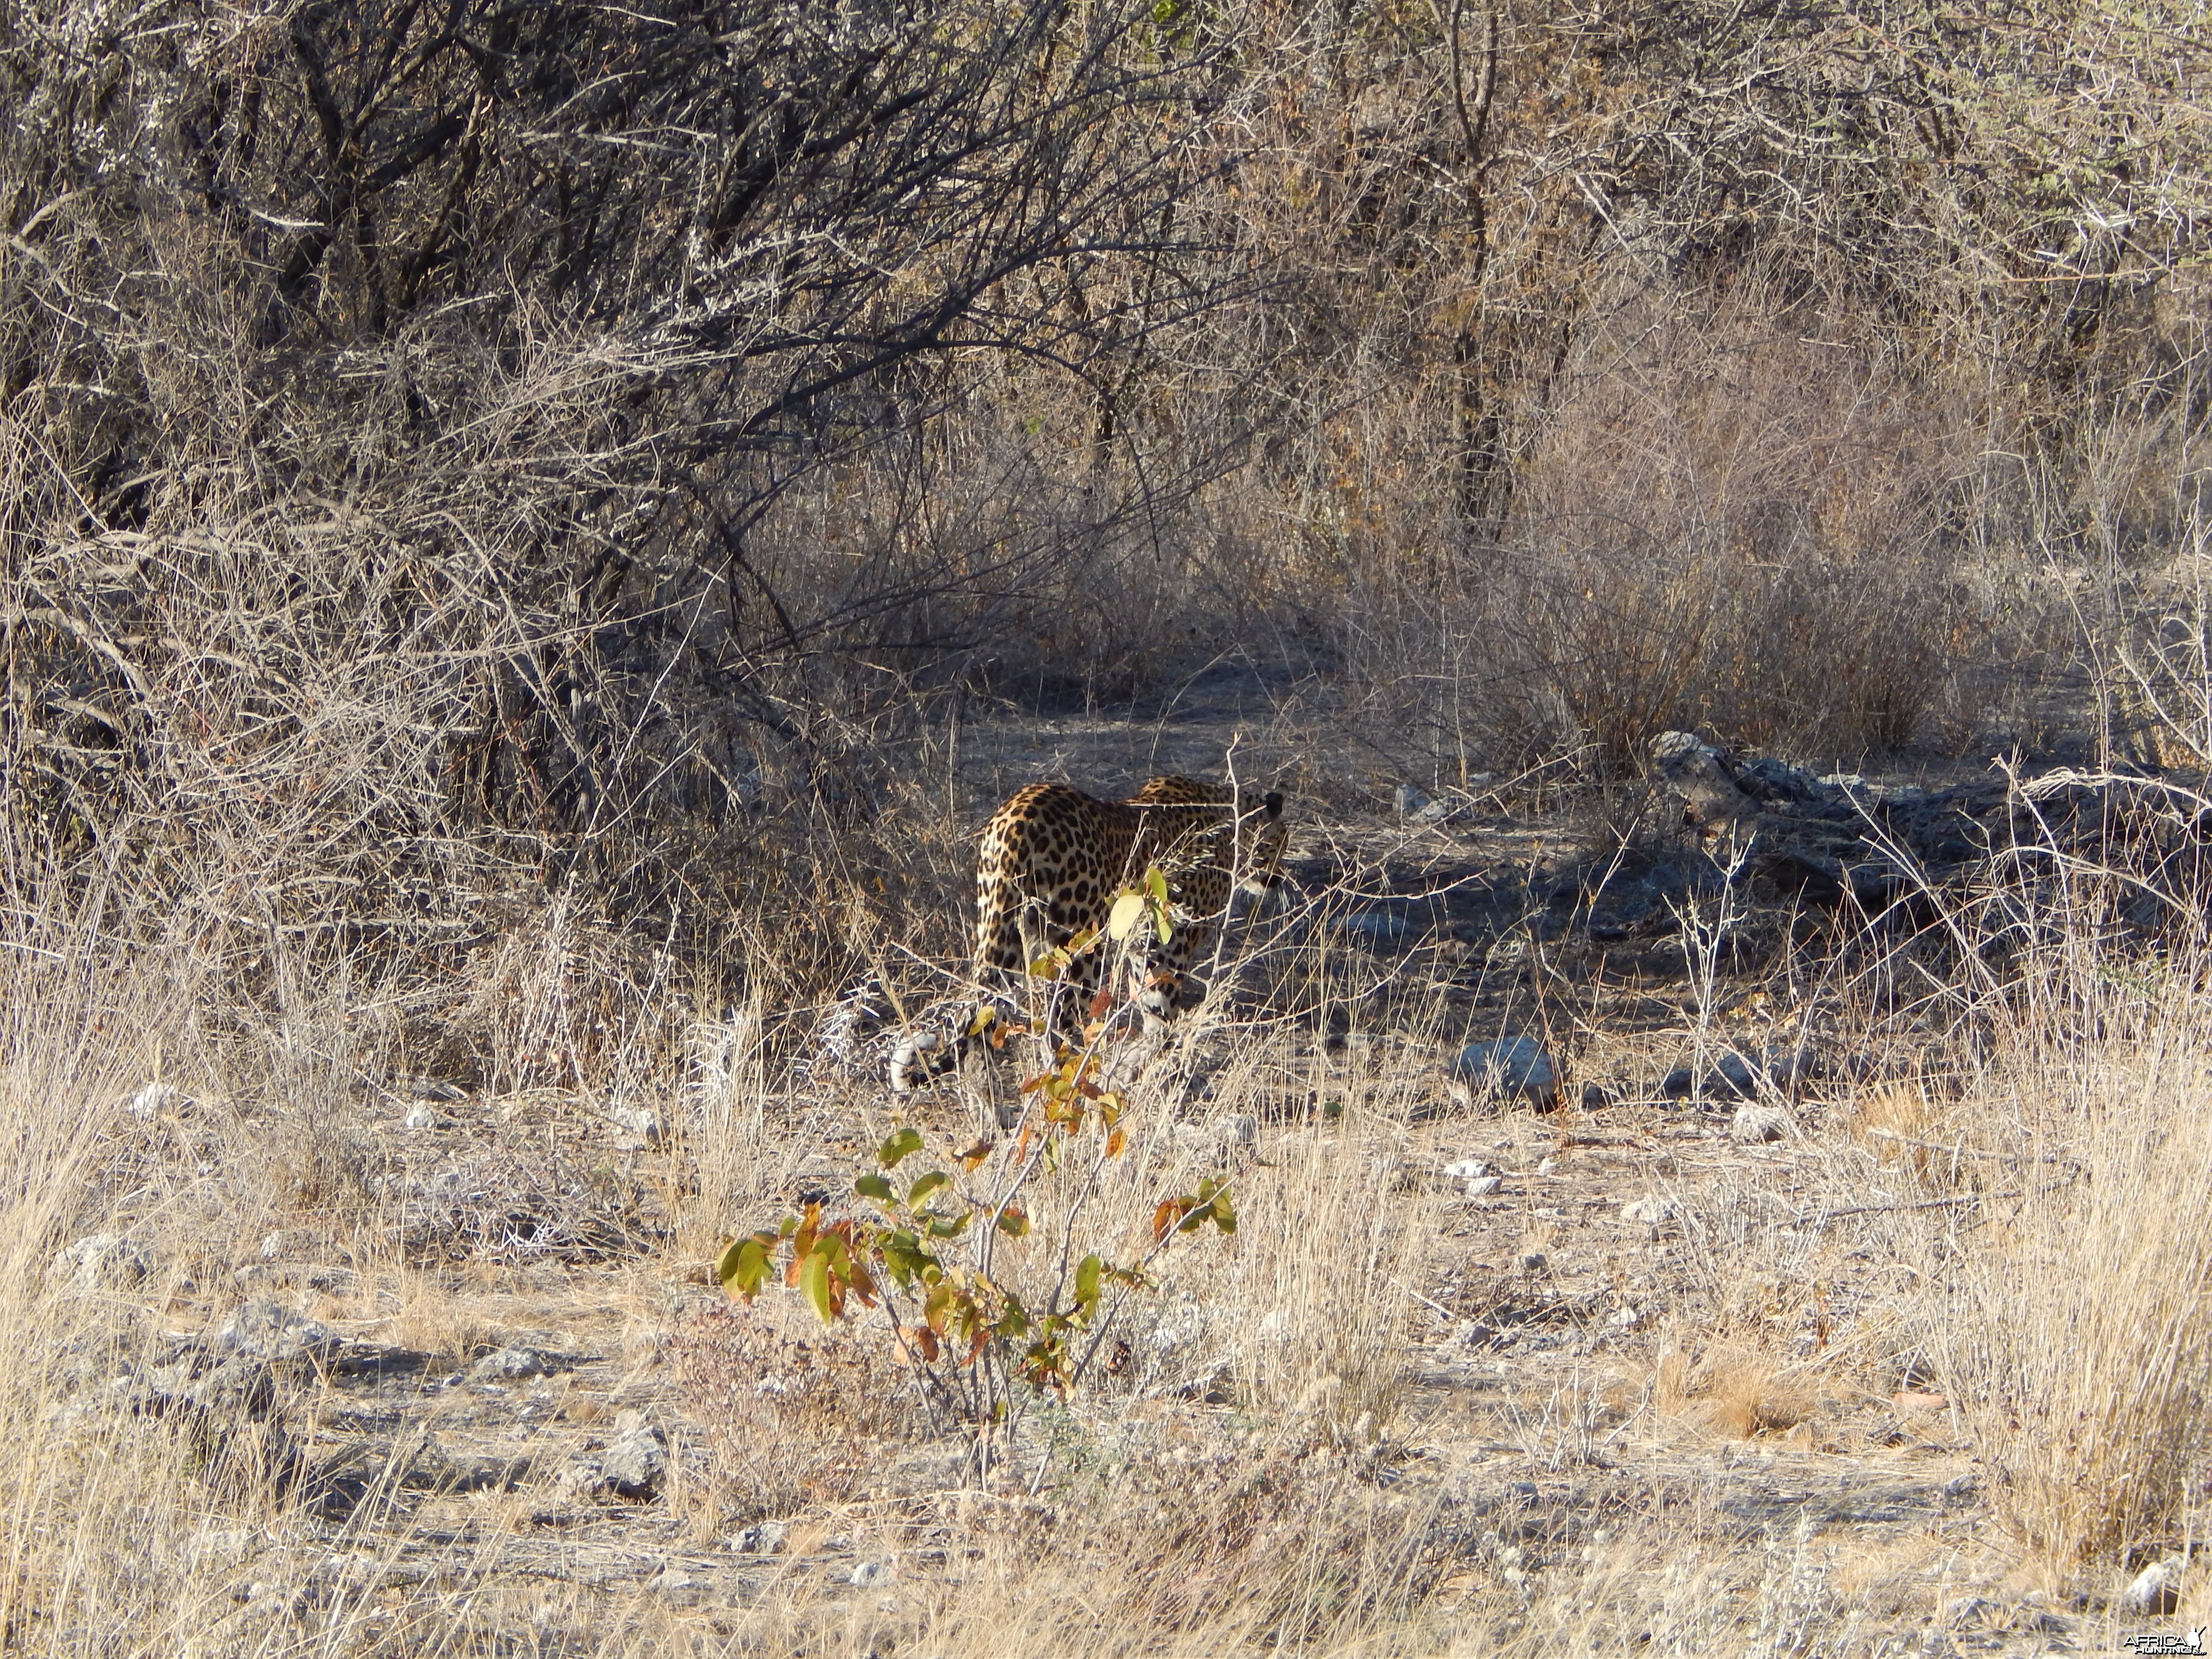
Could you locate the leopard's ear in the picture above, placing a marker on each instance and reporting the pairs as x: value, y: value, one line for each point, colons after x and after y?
x: 1273, y: 803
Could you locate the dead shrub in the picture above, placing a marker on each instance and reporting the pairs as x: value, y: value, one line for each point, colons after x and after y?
x: 1727, y: 525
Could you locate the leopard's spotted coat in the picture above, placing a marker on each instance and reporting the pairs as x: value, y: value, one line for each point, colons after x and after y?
x: 1051, y: 859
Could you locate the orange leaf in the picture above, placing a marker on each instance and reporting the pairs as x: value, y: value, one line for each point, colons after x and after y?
x: 802, y: 1241
x: 864, y: 1283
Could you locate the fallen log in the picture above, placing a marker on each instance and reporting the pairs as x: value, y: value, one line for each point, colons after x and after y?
x: 1825, y: 837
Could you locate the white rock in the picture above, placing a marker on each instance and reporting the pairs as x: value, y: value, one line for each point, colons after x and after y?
x: 633, y: 1466
x: 1465, y: 1169
x: 640, y: 1121
x: 1624, y: 1319
x: 1181, y: 1328
x: 1485, y: 1186
x: 1754, y: 1122
x: 156, y: 1098
x: 1409, y: 800
x: 2157, y: 1588
x: 1511, y: 1068
x: 1238, y: 1128
x: 512, y: 1363
x: 1650, y: 1211
x: 421, y: 1115
x: 211, y: 1544
x: 869, y: 1573
x: 103, y: 1261
x: 271, y: 1331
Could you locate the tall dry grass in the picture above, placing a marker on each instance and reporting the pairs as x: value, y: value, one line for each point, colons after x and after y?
x: 2075, y: 1331
x: 497, y: 548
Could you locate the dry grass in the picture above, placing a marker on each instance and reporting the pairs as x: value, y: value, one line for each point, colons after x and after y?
x: 1254, y: 1479
x: 2073, y: 1331
x: 512, y: 536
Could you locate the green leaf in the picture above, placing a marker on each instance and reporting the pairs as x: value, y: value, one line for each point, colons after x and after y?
x: 743, y: 1268
x: 875, y: 1186
x: 1086, y: 1280
x: 1223, y: 1217
x: 1013, y: 1224
x: 814, y: 1282
x: 932, y: 1308
x: 1122, y: 920
x: 907, y: 1140
x: 904, y: 1257
x: 924, y: 1185
x: 948, y: 1226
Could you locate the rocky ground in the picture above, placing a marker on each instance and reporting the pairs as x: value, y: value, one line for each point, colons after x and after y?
x: 1656, y: 1323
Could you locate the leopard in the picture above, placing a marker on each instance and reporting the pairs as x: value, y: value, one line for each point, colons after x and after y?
x: 1052, y: 860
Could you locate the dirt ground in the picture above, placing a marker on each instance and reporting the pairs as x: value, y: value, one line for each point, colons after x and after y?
x: 1635, y: 1338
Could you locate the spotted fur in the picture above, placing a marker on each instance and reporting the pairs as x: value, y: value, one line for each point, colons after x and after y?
x: 1051, y: 859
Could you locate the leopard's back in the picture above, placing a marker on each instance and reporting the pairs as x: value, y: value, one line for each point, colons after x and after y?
x: 1048, y: 867
x: 1050, y: 861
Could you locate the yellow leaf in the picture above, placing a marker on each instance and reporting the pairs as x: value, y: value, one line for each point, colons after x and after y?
x: 1129, y: 910
x: 814, y: 1283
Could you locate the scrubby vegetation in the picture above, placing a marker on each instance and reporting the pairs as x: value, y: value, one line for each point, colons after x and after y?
x: 528, y: 533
